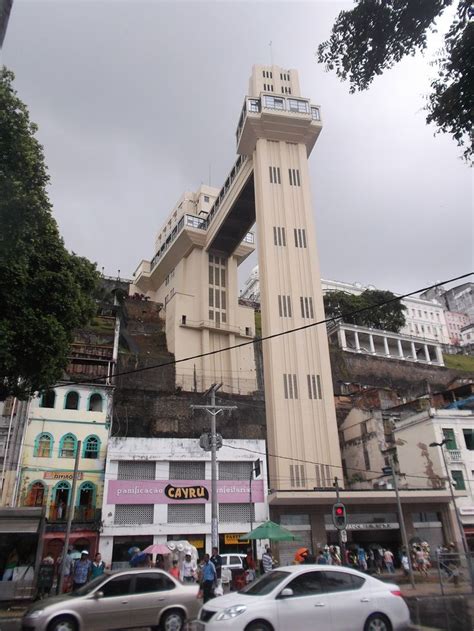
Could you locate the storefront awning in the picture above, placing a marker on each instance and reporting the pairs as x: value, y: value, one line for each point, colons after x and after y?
x: 20, y: 520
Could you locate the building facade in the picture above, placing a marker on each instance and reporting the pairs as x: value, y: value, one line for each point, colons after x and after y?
x: 455, y: 322
x: 417, y: 458
x: 58, y: 421
x: 157, y: 490
x: 459, y: 299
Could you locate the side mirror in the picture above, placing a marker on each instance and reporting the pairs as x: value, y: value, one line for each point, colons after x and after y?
x: 286, y: 593
x: 98, y: 595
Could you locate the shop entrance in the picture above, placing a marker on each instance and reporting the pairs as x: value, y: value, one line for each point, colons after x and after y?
x: 229, y: 543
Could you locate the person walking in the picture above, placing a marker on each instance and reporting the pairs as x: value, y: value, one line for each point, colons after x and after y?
x: 98, y: 566
x: 209, y: 575
x: 188, y: 570
x: 321, y: 559
x: 217, y: 560
x: 81, y: 571
x: 267, y: 561
x: 174, y: 570
x: 388, y: 560
x: 362, y: 559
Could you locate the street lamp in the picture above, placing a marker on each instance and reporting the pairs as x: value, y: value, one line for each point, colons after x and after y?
x: 460, y: 526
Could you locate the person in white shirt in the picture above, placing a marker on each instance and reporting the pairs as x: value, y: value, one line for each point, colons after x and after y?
x: 188, y: 570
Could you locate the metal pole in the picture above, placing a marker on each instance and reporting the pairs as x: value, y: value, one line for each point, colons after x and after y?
x: 70, y: 513
x: 342, y: 545
x: 402, y: 523
x: 214, y: 522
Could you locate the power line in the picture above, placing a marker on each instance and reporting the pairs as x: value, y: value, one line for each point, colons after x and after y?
x: 273, y: 335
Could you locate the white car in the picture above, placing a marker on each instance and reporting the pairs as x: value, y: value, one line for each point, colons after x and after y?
x: 233, y: 561
x: 319, y: 597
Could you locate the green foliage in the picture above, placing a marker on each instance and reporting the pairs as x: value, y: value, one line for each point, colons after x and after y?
x: 45, y: 292
x: 459, y: 362
x: 376, y: 34
x: 362, y: 309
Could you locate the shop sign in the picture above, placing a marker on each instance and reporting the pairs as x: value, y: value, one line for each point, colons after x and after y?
x: 181, y: 491
x: 233, y: 540
x: 62, y: 475
x: 197, y: 543
x: 369, y: 526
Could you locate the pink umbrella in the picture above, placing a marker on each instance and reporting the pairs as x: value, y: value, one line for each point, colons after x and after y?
x: 157, y: 548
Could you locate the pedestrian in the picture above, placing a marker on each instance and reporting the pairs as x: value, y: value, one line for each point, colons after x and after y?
x: 81, y: 571
x: 209, y: 576
x: 267, y: 561
x: 321, y: 558
x: 217, y: 560
x: 249, y: 566
x: 12, y: 562
x: 98, y: 566
x: 388, y: 560
x: 188, y: 570
x: 362, y: 559
x: 309, y: 558
x: 378, y: 560
x: 160, y: 562
x: 174, y: 570
x: 405, y: 563
x: 68, y: 564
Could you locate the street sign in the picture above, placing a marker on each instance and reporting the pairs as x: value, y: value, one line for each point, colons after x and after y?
x: 344, y: 536
x: 387, y: 470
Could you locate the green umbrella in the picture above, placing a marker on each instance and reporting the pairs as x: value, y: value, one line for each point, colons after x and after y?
x: 272, y: 531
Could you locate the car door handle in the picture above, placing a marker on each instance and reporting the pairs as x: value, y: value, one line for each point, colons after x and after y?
x: 160, y: 599
x: 320, y: 605
x: 365, y: 600
x: 124, y: 602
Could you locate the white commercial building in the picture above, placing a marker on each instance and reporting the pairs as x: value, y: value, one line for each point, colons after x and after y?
x: 159, y: 489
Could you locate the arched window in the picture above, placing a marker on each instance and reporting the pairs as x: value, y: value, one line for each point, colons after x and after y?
x: 72, y: 400
x: 68, y: 446
x: 95, y: 403
x: 91, y: 447
x: 36, y: 494
x: 61, y: 500
x: 48, y: 399
x: 86, y: 495
x: 43, y: 445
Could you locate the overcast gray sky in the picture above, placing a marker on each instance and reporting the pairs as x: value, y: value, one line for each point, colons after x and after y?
x: 135, y: 99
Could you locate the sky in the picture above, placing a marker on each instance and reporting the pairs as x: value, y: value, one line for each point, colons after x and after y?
x: 138, y: 102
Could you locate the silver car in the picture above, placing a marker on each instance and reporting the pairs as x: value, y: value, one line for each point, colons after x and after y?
x: 118, y: 600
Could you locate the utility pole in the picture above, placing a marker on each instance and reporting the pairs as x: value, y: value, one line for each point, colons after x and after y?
x: 214, y: 410
x: 255, y: 468
x: 70, y: 513
x: 402, y: 522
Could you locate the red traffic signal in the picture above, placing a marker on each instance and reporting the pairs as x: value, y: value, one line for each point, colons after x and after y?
x: 339, y: 517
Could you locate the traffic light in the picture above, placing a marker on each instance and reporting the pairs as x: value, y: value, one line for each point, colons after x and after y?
x: 339, y: 517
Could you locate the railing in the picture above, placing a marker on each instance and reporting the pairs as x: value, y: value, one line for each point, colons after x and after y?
x: 191, y: 221
x: 295, y: 105
x: 58, y: 514
x: 454, y: 455
x: 241, y: 160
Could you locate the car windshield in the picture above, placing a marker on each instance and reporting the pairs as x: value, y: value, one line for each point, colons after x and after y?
x: 265, y: 584
x: 91, y: 585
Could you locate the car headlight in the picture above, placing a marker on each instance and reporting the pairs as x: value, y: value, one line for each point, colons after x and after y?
x: 35, y: 614
x: 231, y: 612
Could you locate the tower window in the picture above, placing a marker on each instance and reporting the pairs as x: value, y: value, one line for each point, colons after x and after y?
x: 290, y: 386
x: 294, y: 177
x: 284, y: 306
x: 274, y: 175
x: 279, y: 236
x: 306, y: 307
x: 297, y: 475
x: 314, y: 386
x: 300, y: 237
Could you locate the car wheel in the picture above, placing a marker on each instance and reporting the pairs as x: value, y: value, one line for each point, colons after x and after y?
x: 258, y: 625
x: 172, y: 621
x: 377, y: 622
x: 63, y: 623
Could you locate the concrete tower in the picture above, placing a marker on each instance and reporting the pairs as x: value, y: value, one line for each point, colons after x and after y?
x: 194, y: 273
x: 278, y: 130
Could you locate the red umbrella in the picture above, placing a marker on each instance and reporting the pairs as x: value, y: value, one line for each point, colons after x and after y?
x: 157, y: 548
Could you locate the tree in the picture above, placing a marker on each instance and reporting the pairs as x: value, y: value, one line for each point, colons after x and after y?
x: 377, y: 34
x: 389, y: 317
x: 45, y: 291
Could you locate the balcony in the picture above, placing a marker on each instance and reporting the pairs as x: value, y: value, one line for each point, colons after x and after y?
x: 83, y: 514
x: 454, y: 455
x: 258, y: 117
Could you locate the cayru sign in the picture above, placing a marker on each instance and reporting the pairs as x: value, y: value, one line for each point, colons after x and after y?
x: 182, y: 491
